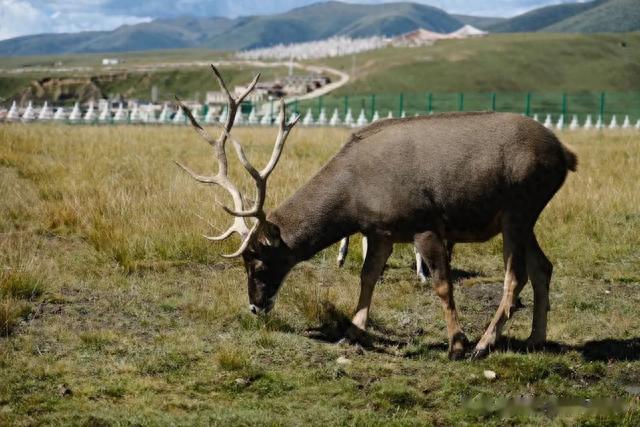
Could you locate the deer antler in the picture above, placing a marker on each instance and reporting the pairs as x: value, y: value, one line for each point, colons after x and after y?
x: 221, y: 178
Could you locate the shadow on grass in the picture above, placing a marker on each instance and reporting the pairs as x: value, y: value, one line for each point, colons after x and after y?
x: 334, y: 325
x: 606, y: 350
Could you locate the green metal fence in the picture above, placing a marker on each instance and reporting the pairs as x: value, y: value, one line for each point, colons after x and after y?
x: 605, y: 104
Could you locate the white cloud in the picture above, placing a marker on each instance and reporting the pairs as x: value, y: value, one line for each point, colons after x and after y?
x: 21, y: 17
x: 18, y: 18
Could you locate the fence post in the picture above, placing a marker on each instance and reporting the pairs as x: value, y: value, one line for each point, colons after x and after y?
x: 564, y: 105
x: 430, y: 103
x: 401, y: 105
x: 602, y: 96
x: 295, y: 107
x: 493, y: 101
x: 373, y: 105
x: 346, y: 104
x: 461, y: 102
x: 271, y: 112
x: 319, y: 105
x: 527, y: 109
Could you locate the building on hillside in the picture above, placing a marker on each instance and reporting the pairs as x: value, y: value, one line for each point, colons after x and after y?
x: 110, y: 61
x: 419, y: 37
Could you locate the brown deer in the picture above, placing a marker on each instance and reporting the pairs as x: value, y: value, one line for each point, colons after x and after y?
x: 461, y: 177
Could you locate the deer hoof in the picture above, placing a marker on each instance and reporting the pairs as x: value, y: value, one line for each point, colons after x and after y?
x: 479, y: 353
x: 535, y: 344
x: 457, y: 354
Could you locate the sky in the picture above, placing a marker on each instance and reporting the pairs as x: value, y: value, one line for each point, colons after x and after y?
x: 22, y: 17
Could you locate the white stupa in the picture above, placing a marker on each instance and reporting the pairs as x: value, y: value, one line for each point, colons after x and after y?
x: 390, y: 115
x: 149, y: 114
x: 560, y: 123
x: 322, y: 118
x: 45, y: 112
x: 638, y: 125
x: 223, y: 115
x: 626, y: 124
x: 90, y: 115
x: 120, y: 116
x: 308, y: 118
x: 253, y: 117
x: 403, y: 115
x: 105, y: 114
x: 134, y: 115
x: 599, y: 123
x: 535, y: 117
x: 59, y: 114
x: 265, y: 120
x: 164, y: 114
x: 335, y: 118
x: 348, y: 118
x: 13, y: 113
x: 376, y: 116
x: 76, y: 114
x: 574, y: 123
x: 547, y: 122
x: 208, y: 118
x: 362, y: 119
x: 614, y: 123
x: 239, y: 119
x: 178, y: 117
x: 588, y: 123
x: 29, y: 114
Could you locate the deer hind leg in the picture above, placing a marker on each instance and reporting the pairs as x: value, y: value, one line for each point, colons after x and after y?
x: 434, y: 251
x: 378, y: 252
x: 342, y: 252
x: 539, y: 269
x: 515, y: 278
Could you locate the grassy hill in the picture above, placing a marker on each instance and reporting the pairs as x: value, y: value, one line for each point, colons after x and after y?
x: 318, y: 21
x: 613, y: 15
x: 500, y: 62
x: 599, y: 16
x: 539, y: 19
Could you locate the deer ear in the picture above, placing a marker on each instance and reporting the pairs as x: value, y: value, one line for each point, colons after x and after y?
x: 272, y: 234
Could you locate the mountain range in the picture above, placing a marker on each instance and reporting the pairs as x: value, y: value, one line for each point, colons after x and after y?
x: 320, y: 21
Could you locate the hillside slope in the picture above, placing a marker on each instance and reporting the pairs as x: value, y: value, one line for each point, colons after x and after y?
x: 318, y: 21
x: 539, y: 19
x: 610, y: 16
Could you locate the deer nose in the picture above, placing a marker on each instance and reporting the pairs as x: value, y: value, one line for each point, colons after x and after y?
x: 253, y: 309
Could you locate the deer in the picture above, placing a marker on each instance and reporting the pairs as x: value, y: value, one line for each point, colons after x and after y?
x: 464, y: 177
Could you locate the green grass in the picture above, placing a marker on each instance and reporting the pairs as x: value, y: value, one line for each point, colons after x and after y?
x: 144, y: 323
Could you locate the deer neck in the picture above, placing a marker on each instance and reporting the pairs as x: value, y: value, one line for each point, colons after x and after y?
x: 315, y: 217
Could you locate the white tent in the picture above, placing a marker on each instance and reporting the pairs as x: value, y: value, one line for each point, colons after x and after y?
x: 467, y: 31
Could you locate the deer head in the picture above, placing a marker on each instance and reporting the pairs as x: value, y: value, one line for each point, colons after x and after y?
x: 261, y: 243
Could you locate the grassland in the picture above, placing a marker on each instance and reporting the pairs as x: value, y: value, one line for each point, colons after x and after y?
x: 115, y: 311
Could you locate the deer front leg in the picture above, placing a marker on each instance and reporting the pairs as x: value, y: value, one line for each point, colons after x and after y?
x: 378, y: 252
x: 434, y: 251
x: 420, y: 266
x: 515, y: 278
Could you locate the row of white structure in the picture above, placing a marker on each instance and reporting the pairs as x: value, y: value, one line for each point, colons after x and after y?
x: 146, y: 114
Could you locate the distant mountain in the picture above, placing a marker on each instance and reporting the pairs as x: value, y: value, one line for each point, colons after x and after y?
x: 599, y: 16
x: 314, y: 22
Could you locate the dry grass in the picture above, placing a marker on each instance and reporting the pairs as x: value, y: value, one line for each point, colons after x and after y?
x: 107, y: 287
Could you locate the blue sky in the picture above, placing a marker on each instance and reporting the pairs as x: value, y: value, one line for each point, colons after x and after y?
x: 21, y: 17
